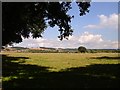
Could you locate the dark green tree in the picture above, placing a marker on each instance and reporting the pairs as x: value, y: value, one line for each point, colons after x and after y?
x: 19, y: 19
x: 82, y: 49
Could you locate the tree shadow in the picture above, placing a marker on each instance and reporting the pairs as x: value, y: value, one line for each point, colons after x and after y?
x: 95, y: 76
x: 33, y: 76
x: 106, y: 57
x: 21, y: 75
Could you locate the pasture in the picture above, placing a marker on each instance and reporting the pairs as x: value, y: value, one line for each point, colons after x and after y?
x: 60, y: 70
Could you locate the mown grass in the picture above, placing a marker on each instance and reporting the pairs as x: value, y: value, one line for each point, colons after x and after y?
x: 58, y: 61
x: 51, y: 70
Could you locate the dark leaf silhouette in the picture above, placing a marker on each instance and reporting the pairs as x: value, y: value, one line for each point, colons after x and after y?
x: 22, y: 18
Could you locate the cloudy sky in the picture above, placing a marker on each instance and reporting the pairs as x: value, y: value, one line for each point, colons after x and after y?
x: 97, y: 29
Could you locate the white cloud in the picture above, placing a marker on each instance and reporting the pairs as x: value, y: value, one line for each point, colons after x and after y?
x: 96, y: 41
x: 87, y: 39
x: 110, y: 22
x: 90, y: 38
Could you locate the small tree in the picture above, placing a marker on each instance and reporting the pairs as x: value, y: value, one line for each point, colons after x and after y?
x: 82, y: 49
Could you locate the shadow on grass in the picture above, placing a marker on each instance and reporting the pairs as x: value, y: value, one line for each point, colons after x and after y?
x: 33, y: 76
x: 106, y: 57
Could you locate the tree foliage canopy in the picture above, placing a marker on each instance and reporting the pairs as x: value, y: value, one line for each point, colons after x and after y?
x: 19, y: 19
x: 82, y: 49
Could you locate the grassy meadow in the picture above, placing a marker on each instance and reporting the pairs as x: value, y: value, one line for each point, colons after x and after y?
x: 60, y: 70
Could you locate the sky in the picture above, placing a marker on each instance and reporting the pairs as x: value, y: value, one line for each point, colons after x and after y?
x: 98, y: 29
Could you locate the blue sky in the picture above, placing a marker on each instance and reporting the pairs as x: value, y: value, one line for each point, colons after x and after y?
x: 97, y: 29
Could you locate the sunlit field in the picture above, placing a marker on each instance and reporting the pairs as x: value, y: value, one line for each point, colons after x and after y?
x: 51, y: 70
x: 59, y: 61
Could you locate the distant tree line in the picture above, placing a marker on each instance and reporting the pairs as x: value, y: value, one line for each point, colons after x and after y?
x: 76, y: 51
x: 81, y: 49
x: 103, y: 50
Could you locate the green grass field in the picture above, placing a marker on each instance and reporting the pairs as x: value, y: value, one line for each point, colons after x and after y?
x: 60, y: 70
